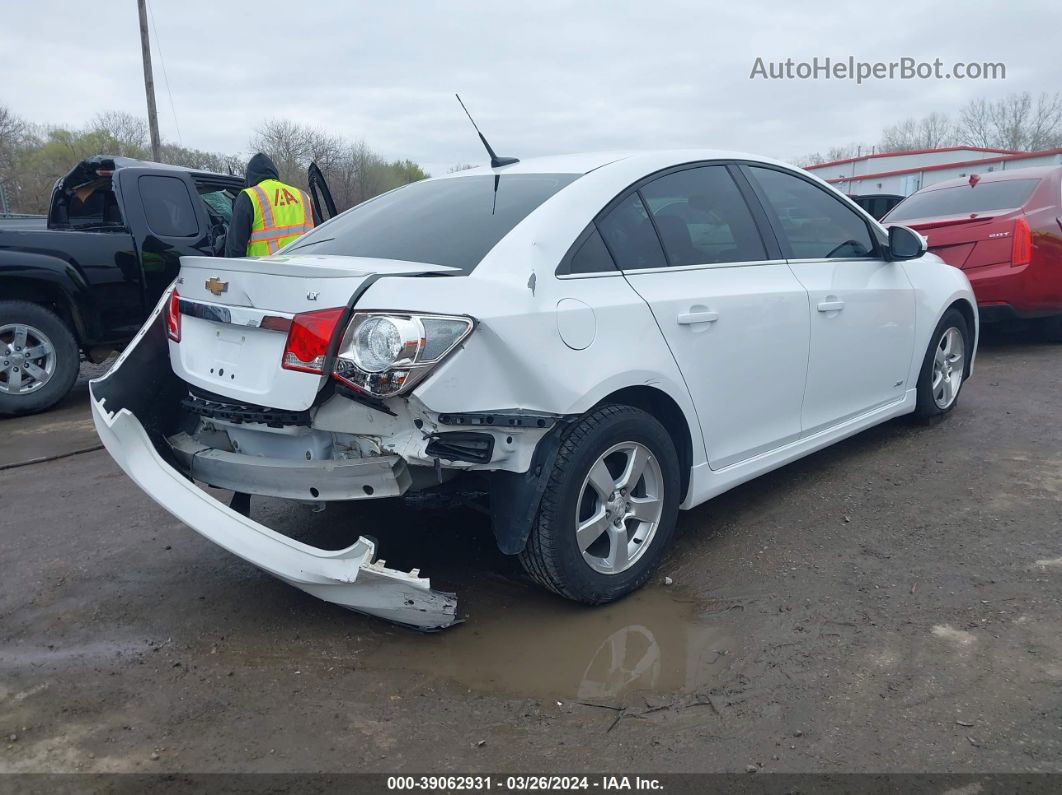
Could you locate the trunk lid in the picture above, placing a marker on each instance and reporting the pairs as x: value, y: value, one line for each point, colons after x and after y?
x: 970, y: 241
x: 224, y: 348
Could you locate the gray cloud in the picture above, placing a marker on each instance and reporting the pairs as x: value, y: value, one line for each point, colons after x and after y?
x: 540, y: 78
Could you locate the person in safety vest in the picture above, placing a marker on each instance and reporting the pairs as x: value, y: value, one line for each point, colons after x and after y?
x: 267, y: 214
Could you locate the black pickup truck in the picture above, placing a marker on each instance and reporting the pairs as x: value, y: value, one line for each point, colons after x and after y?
x: 116, y: 229
x: 85, y: 283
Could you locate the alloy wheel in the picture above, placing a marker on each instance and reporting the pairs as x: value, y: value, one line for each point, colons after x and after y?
x: 27, y: 359
x: 619, y: 507
x: 949, y: 364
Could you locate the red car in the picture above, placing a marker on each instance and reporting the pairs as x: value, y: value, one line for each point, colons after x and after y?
x: 1004, y: 229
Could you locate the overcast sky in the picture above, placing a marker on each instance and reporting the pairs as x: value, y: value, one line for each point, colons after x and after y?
x: 543, y: 77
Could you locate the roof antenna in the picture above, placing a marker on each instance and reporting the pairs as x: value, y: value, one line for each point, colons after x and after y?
x: 495, y: 161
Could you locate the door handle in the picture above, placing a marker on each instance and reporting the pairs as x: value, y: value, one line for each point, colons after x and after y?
x: 831, y: 306
x: 691, y: 318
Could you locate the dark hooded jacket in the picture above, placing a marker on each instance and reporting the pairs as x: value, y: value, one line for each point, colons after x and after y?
x: 259, y: 168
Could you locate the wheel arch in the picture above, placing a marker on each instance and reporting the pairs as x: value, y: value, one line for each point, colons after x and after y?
x: 969, y: 314
x: 515, y: 496
x: 48, y: 294
x: 664, y: 408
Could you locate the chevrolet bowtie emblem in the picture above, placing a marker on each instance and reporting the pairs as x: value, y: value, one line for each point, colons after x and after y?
x: 216, y: 286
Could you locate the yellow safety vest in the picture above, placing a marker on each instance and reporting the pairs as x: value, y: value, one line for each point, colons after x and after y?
x: 281, y: 214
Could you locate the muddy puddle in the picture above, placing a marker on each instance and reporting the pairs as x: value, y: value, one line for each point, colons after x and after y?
x: 523, y: 643
x: 518, y: 640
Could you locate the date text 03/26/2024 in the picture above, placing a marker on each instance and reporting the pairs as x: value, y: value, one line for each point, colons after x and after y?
x: 521, y: 783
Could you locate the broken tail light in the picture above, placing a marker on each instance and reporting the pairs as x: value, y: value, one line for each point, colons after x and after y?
x: 307, y: 346
x: 173, y: 316
x: 1021, y: 249
x: 385, y: 354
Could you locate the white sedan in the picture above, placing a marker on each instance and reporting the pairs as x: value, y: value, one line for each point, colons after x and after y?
x: 597, y: 341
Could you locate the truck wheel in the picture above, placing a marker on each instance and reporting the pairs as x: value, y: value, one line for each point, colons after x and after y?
x: 39, y: 358
x: 609, y: 508
x: 944, y: 367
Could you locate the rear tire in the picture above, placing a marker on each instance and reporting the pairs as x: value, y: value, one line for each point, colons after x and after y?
x: 609, y: 508
x: 945, y: 366
x: 39, y: 358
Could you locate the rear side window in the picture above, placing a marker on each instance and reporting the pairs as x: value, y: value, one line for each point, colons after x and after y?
x: 93, y: 206
x: 963, y: 200
x: 591, y: 256
x: 451, y: 222
x: 630, y: 236
x: 168, y: 207
x: 702, y: 217
x: 815, y: 224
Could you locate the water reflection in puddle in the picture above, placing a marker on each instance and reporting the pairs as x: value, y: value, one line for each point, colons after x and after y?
x: 524, y: 643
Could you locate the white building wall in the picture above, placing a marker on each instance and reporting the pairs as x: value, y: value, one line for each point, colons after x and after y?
x: 897, y: 162
x: 907, y: 183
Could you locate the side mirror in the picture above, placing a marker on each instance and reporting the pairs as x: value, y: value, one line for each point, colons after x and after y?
x: 905, y: 243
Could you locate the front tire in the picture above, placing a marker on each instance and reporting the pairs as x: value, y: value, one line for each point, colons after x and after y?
x: 609, y: 508
x: 944, y: 367
x: 39, y: 358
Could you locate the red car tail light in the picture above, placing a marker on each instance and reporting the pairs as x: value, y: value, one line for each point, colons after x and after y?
x: 308, y: 338
x: 173, y: 316
x: 1021, y: 251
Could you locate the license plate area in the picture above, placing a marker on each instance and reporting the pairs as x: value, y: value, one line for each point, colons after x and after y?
x: 241, y: 363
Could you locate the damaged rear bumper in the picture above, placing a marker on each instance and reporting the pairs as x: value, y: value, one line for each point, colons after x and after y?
x: 349, y: 577
x: 350, y: 479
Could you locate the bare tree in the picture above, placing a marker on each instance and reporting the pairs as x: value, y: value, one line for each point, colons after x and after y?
x: 930, y: 132
x: 1017, y: 121
x: 834, y: 153
x: 936, y: 131
x: 354, y: 171
x: 32, y: 157
x: 899, y: 137
x: 121, y: 133
x: 975, y: 123
x: 12, y: 135
x: 285, y: 143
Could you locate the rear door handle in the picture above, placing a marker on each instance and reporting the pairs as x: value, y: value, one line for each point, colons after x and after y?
x: 831, y: 306
x: 691, y: 318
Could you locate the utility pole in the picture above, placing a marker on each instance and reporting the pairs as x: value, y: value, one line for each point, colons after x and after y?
x: 149, y: 83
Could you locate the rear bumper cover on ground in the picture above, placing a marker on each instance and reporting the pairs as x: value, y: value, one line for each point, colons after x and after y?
x: 348, y: 577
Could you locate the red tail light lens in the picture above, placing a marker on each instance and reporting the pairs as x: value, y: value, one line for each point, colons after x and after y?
x: 173, y: 316
x: 1021, y: 252
x: 308, y: 339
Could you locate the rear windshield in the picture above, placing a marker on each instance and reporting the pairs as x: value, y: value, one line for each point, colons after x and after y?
x: 964, y: 200
x: 451, y: 222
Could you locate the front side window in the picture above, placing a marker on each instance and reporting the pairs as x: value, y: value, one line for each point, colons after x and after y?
x: 702, y: 217
x: 167, y: 206
x: 219, y: 203
x: 628, y: 232
x: 453, y: 222
x: 815, y: 224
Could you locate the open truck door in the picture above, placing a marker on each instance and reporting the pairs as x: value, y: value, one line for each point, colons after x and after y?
x: 320, y: 196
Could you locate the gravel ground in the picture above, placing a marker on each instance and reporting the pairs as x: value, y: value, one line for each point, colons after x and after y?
x: 893, y: 603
